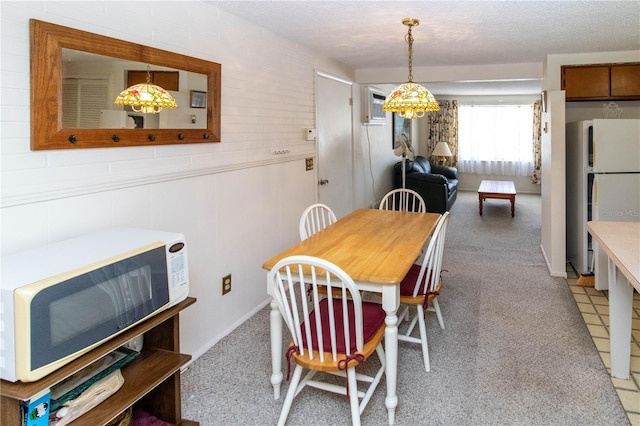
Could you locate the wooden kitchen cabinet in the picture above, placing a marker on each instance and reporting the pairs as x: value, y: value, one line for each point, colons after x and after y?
x: 168, y: 80
x: 151, y: 380
x: 586, y: 82
x: 625, y: 80
x: 601, y: 82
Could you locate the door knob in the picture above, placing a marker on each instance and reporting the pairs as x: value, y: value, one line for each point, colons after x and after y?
x: 324, y: 181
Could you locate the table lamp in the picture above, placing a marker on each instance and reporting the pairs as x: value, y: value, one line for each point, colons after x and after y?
x: 442, y: 151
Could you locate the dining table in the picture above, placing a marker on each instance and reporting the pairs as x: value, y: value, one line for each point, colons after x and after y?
x: 376, y: 248
x: 621, y: 243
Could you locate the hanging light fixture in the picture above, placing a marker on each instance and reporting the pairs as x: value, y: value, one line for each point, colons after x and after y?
x: 146, y: 97
x: 410, y: 100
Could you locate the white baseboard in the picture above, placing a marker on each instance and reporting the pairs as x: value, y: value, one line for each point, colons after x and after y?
x: 553, y: 273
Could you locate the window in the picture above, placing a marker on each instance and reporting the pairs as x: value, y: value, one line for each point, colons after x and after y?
x: 495, y: 139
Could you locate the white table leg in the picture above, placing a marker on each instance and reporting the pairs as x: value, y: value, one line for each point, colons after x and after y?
x: 620, y: 311
x: 276, y: 349
x: 390, y: 304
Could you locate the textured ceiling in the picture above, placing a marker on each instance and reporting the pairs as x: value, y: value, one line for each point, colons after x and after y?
x: 370, y: 34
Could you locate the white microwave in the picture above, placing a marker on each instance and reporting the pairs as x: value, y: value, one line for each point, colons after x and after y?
x: 59, y: 301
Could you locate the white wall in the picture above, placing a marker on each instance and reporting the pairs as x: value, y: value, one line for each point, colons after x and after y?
x: 228, y: 198
x: 374, y: 160
x: 553, y: 185
x: 577, y: 111
x: 395, y: 76
x: 471, y: 182
x: 373, y: 168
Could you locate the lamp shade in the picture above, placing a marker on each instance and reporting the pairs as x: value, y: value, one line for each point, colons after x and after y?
x: 146, y: 98
x: 442, y: 150
x: 410, y: 100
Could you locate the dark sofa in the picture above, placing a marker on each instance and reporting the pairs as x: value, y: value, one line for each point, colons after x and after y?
x: 438, y: 185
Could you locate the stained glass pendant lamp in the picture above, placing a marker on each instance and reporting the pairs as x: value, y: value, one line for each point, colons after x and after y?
x: 146, y: 97
x: 410, y: 100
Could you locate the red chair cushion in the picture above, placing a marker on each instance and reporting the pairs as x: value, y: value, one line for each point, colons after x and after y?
x: 373, y: 317
x: 408, y: 283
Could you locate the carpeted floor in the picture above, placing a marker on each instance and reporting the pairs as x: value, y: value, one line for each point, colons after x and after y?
x: 515, y: 350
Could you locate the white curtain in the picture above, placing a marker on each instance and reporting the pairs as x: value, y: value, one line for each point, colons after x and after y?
x: 495, y: 139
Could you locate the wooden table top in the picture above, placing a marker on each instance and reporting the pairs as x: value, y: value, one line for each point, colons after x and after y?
x: 621, y: 242
x: 371, y: 245
x: 497, y: 187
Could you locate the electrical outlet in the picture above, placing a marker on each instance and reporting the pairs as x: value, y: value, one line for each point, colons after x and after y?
x: 311, y: 134
x: 309, y: 163
x: 226, y: 284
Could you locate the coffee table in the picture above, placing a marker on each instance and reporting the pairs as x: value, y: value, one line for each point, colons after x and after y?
x: 500, y: 189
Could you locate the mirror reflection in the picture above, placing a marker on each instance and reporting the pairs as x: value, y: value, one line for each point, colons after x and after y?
x: 91, y: 83
x: 92, y: 86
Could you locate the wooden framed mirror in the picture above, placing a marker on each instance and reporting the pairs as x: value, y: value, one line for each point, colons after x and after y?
x: 50, y: 116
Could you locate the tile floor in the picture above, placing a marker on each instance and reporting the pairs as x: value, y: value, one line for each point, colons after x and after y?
x: 594, y: 306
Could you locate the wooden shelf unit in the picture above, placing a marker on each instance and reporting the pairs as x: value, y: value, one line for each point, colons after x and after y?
x: 151, y: 380
x: 601, y: 82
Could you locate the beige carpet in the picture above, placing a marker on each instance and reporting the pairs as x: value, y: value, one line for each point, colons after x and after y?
x: 515, y: 350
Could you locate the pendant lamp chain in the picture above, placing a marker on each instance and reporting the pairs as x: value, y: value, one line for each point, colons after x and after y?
x: 410, y: 100
x: 409, y: 39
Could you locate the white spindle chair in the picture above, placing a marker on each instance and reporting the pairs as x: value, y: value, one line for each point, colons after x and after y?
x: 403, y: 199
x: 315, y: 218
x: 338, y: 349
x: 421, y: 287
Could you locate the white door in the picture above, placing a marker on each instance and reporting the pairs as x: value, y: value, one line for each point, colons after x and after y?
x: 335, y: 151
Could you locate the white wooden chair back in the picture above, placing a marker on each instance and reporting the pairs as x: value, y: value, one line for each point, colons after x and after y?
x: 328, y: 330
x: 290, y: 279
x: 315, y: 218
x: 403, y: 199
x: 432, y: 260
x: 414, y: 291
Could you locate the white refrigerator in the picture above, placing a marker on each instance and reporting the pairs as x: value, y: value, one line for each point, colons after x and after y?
x: 603, y: 184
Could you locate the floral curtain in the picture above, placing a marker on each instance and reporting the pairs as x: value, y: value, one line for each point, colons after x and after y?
x: 442, y: 126
x: 537, y: 157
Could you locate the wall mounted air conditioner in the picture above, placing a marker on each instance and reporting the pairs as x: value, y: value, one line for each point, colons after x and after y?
x: 372, y: 100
